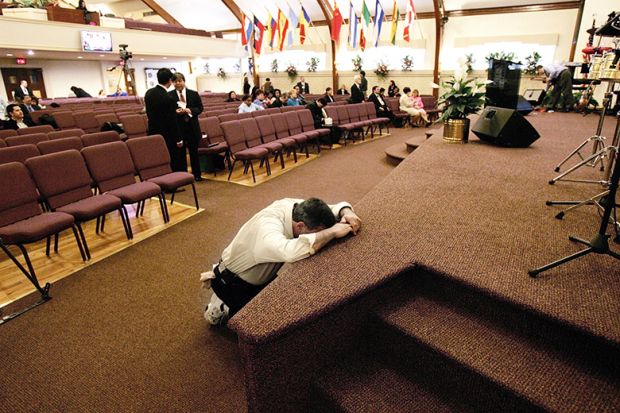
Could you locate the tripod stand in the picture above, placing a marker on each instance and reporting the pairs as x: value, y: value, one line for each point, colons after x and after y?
x: 599, y: 150
x: 600, y: 242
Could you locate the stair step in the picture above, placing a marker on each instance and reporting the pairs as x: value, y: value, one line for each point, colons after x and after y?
x: 414, y: 142
x: 527, y: 370
x: 397, y: 152
x: 362, y: 384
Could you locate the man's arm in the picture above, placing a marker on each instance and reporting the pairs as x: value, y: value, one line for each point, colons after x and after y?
x: 323, y: 237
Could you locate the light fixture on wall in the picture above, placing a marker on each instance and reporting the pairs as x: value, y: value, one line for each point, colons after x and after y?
x: 80, y: 57
x: 9, y: 54
x: 29, y: 52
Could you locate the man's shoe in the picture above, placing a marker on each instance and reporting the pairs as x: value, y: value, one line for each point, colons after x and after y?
x: 216, y: 312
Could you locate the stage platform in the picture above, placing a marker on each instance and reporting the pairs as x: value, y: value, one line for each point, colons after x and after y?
x: 472, y: 217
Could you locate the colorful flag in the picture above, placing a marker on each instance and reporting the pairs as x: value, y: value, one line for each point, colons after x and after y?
x: 259, y: 31
x: 365, y: 20
x: 272, y: 26
x: 304, y: 20
x: 395, y: 17
x: 379, y: 15
x: 293, y: 23
x: 336, y: 24
x: 246, y: 29
x: 283, y: 28
x: 409, y: 16
x: 352, y: 26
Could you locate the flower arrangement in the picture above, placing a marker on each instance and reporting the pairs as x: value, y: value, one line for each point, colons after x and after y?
x: 357, y: 63
x: 407, y: 63
x: 237, y: 67
x: 531, y: 62
x: 382, y: 71
x: 274, y: 65
x: 469, y: 63
x: 291, y: 72
x: 221, y: 74
x: 312, y: 64
x: 206, y: 68
x: 462, y: 97
x: 500, y: 56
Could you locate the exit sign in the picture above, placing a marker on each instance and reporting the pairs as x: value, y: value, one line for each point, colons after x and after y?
x: 20, y: 60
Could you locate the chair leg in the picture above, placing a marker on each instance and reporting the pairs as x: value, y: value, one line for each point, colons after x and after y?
x: 142, y: 209
x: 48, y: 241
x: 306, y: 148
x: 172, y: 197
x: 102, y: 223
x: 195, y: 196
x: 164, y: 208
x: 252, y: 167
x: 231, y: 169
x: 97, y: 225
x: 125, y: 218
x: 84, y: 244
x: 267, y: 166
x: 30, y: 274
x: 138, y: 208
x: 281, y: 153
x: 56, y: 243
x: 79, y: 243
x: 295, y: 154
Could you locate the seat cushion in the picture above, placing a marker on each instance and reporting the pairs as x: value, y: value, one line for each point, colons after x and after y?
x: 172, y: 181
x: 272, y: 146
x: 252, y: 153
x: 91, y: 207
x: 208, y: 150
x: 300, y: 137
x: 35, y: 228
x: 139, y: 191
x: 312, y: 134
x: 288, y: 142
x: 323, y: 131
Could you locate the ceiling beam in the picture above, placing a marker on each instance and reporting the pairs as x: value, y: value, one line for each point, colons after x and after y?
x: 439, y: 22
x: 573, y: 46
x: 161, y: 12
x: 328, y: 12
x: 515, y: 9
x: 234, y: 9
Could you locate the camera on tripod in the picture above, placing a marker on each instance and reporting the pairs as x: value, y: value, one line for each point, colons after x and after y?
x: 123, y: 53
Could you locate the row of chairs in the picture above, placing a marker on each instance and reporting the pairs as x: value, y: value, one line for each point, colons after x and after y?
x: 91, y: 121
x: 356, y: 120
x: 68, y: 139
x: 109, y: 101
x: 62, y: 182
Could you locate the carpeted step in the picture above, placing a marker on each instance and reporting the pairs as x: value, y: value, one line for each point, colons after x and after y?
x: 415, y: 142
x: 397, y: 152
x: 362, y: 384
x: 527, y: 365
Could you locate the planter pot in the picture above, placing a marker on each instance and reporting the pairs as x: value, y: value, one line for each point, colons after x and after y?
x: 456, y: 130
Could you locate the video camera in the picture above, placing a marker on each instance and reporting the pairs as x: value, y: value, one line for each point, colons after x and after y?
x: 123, y: 53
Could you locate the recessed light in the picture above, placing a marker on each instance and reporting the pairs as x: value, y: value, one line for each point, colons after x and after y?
x: 101, y: 55
x: 80, y: 57
x: 30, y: 52
x: 142, y: 59
x: 164, y: 58
x: 9, y: 54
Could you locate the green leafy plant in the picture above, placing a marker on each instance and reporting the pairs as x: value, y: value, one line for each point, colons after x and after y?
x: 530, y: 64
x: 312, y: 64
x: 274, y: 65
x: 407, y: 63
x: 291, y: 72
x: 462, y: 97
x: 357, y: 63
x: 501, y: 56
x: 206, y: 68
x: 469, y: 63
x: 382, y: 71
x: 221, y: 74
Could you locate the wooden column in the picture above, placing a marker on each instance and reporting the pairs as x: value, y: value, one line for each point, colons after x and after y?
x: 161, y: 12
x: 438, y: 32
x: 328, y: 12
x: 573, y: 45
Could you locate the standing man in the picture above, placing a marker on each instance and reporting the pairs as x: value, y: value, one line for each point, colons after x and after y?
x: 22, y: 90
x: 304, y: 87
x: 288, y: 230
x: 189, y: 107
x: 560, y: 77
x: 161, y: 111
x: 364, y: 83
x: 357, y: 96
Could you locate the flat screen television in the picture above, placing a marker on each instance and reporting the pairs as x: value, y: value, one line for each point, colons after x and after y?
x: 93, y: 41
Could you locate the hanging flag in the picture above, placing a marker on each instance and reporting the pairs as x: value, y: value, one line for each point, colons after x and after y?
x: 336, y: 24
x: 271, y: 30
x: 379, y: 15
x: 409, y: 16
x: 246, y: 29
x: 365, y: 20
x: 304, y: 20
x: 352, y: 26
x: 293, y: 23
x: 283, y: 28
x: 259, y: 31
x: 395, y: 17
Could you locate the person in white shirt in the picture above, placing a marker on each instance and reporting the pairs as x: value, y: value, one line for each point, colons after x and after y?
x: 288, y: 230
x: 248, y: 105
x: 560, y: 77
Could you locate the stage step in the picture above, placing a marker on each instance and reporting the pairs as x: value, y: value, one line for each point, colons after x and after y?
x: 400, y: 151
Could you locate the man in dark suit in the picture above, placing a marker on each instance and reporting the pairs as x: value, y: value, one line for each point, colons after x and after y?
x: 383, y: 110
x: 342, y: 91
x: 22, y: 90
x: 304, y: 87
x: 329, y: 95
x: 189, y: 107
x: 357, y: 96
x: 161, y: 111
x: 16, y: 119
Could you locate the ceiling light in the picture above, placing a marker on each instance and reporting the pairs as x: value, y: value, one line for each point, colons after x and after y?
x: 164, y: 58
x: 30, y: 52
x: 101, y: 55
x: 142, y: 59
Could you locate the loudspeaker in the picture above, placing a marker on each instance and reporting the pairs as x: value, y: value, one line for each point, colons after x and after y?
x: 523, y: 106
x: 504, y: 127
x: 535, y: 96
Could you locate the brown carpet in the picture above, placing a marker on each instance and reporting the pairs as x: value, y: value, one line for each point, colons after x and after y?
x: 127, y: 333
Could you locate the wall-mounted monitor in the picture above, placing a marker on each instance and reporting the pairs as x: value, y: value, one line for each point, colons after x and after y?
x: 93, y: 41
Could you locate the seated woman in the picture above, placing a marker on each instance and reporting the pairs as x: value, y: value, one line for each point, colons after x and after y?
x: 232, y: 97
x: 409, y: 104
x: 393, y: 89
x: 293, y: 99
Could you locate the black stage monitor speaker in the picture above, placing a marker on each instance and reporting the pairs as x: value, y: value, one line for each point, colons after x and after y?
x: 523, y: 106
x: 504, y: 127
x: 534, y: 96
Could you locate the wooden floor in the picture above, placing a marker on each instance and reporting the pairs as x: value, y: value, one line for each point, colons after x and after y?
x: 13, y: 283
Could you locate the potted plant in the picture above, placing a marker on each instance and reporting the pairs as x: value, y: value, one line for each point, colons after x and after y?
x: 291, y: 71
x: 312, y: 64
x: 462, y: 97
x: 382, y: 71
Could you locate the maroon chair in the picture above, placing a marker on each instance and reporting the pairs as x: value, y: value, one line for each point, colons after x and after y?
x: 214, y: 142
x: 134, y: 126
x: 307, y: 124
x: 36, y: 115
x: 344, y: 123
x: 244, y: 115
x: 64, y: 119
x: 59, y: 145
x: 35, y: 129
x: 268, y: 134
x: 296, y: 131
x: 5, y: 133
x: 372, y: 116
x: 26, y: 139
x: 152, y: 160
x: 103, y: 118
x: 86, y: 121
x: 98, y: 138
x: 22, y: 221
x: 64, y: 183
x: 271, y: 111
x: 258, y: 113
x: 18, y: 153
x: 2, y: 143
x: 253, y: 140
x: 285, y: 109
x: 233, y: 133
x: 228, y: 117
x: 112, y: 169
x: 66, y: 133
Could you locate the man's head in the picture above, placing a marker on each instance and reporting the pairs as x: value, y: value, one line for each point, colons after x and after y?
x: 363, y: 73
x: 247, y: 99
x: 296, y: 88
x: 321, y: 102
x: 406, y: 90
x: 260, y: 95
x: 14, y: 112
x: 329, y: 91
x: 375, y: 89
x: 540, y: 69
x: 311, y: 215
x: 23, y: 83
x: 302, y: 80
x: 267, y: 80
x: 27, y: 100
x: 357, y: 79
x: 179, y: 81
x: 164, y: 77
